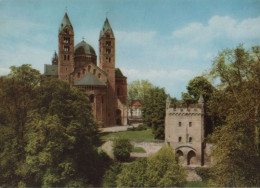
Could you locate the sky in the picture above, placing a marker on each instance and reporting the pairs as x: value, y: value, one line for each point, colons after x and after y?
x: 167, y: 42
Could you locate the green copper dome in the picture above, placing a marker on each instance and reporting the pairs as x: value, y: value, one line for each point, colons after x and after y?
x: 84, y: 48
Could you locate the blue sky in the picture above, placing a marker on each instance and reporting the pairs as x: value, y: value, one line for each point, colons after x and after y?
x: 167, y: 42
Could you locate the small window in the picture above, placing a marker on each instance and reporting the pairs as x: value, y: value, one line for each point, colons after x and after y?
x: 108, y: 59
x: 84, y: 71
x: 66, y: 48
x: 108, y: 43
x: 190, y: 139
x: 180, y: 139
x: 108, y: 51
x: 66, y: 40
x: 179, y: 124
x: 78, y: 74
x: 99, y: 75
x: 91, y: 98
x: 64, y: 57
x: 68, y: 57
x: 190, y: 124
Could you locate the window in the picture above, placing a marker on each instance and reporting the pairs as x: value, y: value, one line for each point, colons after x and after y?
x: 180, y: 139
x: 190, y: 139
x: 66, y: 48
x: 108, y: 51
x: 68, y: 57
x: 108, y: 59
x: 108, y: 43
x: 179, y: 124
x: 91, y: 98
x: 78, y: 74
x: 84, y: 71
x: 66, y: 40
x: 99, y: 75
x: 64, y: 57
x: 190, y: 124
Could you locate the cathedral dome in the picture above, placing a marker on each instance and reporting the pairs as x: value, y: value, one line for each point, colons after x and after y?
x: 84, y: 48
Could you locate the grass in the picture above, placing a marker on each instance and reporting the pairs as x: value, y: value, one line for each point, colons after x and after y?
x: 131, y: 135
x: 139, y: 150
x: 196, y: 184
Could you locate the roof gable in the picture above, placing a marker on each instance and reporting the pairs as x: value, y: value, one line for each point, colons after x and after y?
x: 89, y: 80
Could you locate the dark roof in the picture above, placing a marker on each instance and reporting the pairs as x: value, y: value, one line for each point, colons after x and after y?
x: 89, y: 80
x: 118, y: 73
x: 105, y: 28
x: 84, y: 48
x: 51, y: 70
x: 65, y: 21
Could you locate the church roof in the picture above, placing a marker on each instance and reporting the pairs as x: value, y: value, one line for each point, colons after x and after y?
x: 118, y: 73
x: 84, y: 48
x: 105, y: 28
x: 89, y: 80
x: 65, y: 21
x: 51, y: 70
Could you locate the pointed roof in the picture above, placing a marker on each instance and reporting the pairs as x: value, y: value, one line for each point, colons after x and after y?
x: 106, y: 27
x: 201, y: 99
x: 89, y: 80
x: 55, y: 58
x: 65, y: 21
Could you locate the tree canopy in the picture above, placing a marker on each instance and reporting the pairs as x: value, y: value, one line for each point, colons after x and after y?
x: 48, y: 134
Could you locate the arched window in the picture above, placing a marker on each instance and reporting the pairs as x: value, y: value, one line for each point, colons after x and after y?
x: 78, y: 74
x: 180, y: 156
x: 190, y: 139
x: 84, y: 71
x: 179, y: 139
x: 91, y: 98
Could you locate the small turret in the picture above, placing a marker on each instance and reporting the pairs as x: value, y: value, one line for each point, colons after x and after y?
x: 55, y: 58
x: 168, y: 101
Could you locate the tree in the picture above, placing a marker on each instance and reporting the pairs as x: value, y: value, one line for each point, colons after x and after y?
x: 159, y: 170
x: 48, y: 133
x: 154, y: 111
x: 122, y: 149
x: 110, y: 176
x: 237, y: 141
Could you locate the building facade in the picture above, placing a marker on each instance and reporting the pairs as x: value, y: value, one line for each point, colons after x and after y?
x: 184, y: 131
x: 104, y: 84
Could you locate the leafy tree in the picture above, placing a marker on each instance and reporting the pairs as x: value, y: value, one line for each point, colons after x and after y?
x: 154, y: 111
x: 237, y: 102
x: 110, y: 176
x: 159, y: 170
x: 133, y: 175
x: 48, y: 133
x: 122, y: 149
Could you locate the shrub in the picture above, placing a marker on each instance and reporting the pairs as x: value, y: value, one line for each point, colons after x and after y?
x: 122, y: 149
x: 204, y: 173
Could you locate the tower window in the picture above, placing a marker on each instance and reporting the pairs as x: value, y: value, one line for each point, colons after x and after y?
x: 108, y: 59
x: 64, y: 57
x: 190, y: 124
x: 108, y: 43
x: 68, y: 57
x: 108, y: 51
x: 179, y: 124
x: 179, y: 139
x: 190, y: 139
x: 66, y: 40
x: 66, y: 48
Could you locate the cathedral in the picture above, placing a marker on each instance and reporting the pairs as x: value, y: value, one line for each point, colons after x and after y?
x: 104, y: 85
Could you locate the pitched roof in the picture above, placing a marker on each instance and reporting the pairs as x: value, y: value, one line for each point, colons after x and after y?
x: 89, y: 80
x: 105, y: 28
x: 118, y: 73
x: 51, y: 70
x: 65, y: 21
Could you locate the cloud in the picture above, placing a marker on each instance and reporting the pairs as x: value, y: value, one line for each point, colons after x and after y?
x: 4, y: 71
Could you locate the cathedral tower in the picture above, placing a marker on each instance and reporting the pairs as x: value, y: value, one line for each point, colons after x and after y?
x: 66, y: 49
x: 107, y: 64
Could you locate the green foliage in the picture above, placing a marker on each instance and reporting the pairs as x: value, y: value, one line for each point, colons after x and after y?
x: 122, y: 149
x: 138, y: 89
x: 196, y: 184
x: 159, y: 170
x: 154, y: 111
x: 237, y: 105
x: 48, y: 134
x: 133, y: 175
x: 203, y: 172
x: 110, y: 176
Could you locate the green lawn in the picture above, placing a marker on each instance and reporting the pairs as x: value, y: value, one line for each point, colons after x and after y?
x: 196, y: 184
x: 139, y: 150
x: 131, y: 135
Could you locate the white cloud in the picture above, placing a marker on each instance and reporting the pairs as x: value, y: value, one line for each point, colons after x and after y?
x: 4, y: 71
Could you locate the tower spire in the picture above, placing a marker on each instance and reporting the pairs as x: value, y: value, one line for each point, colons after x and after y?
x: 106, y: 27
x: 65, y: 22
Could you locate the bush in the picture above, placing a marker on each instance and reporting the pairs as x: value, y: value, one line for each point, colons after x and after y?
x: 110, y: 177
x: 204, y: 173
x: 122, y: 149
